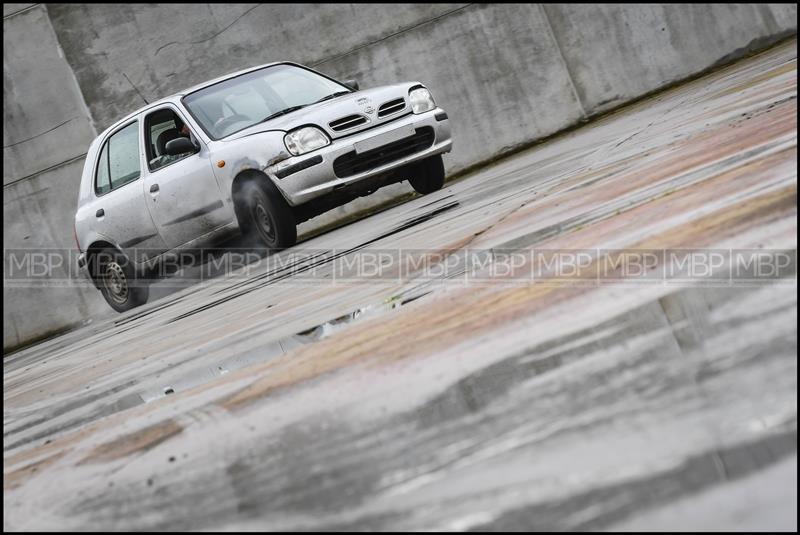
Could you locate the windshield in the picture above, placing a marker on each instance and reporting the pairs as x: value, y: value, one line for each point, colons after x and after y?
x: 233, y: 105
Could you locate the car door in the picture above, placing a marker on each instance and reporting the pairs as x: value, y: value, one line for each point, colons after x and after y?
x: 120, y: 208
x: 181, y: 191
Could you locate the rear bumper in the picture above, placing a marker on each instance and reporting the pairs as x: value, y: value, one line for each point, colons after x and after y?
x: 310, y: 176
x: 83, y: 268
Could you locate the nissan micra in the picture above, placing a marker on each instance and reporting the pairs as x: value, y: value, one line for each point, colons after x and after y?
x: 255, y: 152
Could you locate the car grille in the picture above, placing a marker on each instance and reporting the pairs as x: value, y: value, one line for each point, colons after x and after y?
x: 346, y: 123
x: 393, y: 106
x: 352, y: 164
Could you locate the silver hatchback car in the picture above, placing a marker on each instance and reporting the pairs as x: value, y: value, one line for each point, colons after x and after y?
x: 255, y: 152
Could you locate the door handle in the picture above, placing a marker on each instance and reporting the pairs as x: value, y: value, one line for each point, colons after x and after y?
x: 154, y: 188
x: 100, y: 213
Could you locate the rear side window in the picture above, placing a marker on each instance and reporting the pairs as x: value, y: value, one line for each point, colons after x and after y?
x: 119, y: 161
x: 103, y: 184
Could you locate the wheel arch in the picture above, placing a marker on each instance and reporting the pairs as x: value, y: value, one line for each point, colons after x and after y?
x: 239, y: 189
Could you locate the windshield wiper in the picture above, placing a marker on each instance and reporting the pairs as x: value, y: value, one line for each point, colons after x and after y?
x: 295, y: 108
x: 282, y: 112
x: 333, y: 95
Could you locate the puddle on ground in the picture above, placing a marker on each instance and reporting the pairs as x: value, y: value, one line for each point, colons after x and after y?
x: 279, y: 347
x: 323, y: 330
x: 199, y: 376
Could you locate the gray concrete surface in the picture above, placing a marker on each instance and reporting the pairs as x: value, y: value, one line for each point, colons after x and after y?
x: 45, y: 121
x: 46, y: 131
x: 301, y: 396
x: 615, y: 53
x: 508, y: 74
x: 766, y: 501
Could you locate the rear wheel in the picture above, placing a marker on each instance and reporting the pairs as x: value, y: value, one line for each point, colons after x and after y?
x: 266, y: 216
x: 428, y: 175
x: 118, y: 282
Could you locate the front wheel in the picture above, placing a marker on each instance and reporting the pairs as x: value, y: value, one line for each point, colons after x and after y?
x: 268, y: 218
x: 428, y: 175
x: 117, y: 279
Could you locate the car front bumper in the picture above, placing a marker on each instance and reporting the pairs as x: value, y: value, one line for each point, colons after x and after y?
x: 313, y: 173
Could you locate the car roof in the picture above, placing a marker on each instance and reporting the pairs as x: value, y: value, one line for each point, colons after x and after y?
x: 177, y: 96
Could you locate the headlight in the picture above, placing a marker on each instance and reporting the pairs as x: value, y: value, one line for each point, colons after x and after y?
x: 421, y: 100
x: 305, y: 140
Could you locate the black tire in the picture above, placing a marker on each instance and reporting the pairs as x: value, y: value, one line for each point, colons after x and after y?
x: 266, y: 216
x: 428, y: 175
x: 117, y: 280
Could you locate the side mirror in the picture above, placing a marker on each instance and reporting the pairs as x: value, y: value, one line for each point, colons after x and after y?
x: 351, y: 83
x: 179, y: 145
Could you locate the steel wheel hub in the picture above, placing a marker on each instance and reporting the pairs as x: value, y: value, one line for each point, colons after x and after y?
x: 116, y: 282
x: 264, y: 221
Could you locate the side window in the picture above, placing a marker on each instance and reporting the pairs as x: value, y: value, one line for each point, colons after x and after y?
x: 103, y: 183
x: 119, y: 160
x: 161, y: 127
x: 123, y: 156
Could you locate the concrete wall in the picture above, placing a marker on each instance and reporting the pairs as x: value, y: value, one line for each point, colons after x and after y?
x: 46, y: 131
x: 615, y: 53
x: 507, y: 74
x: 160, y: 49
